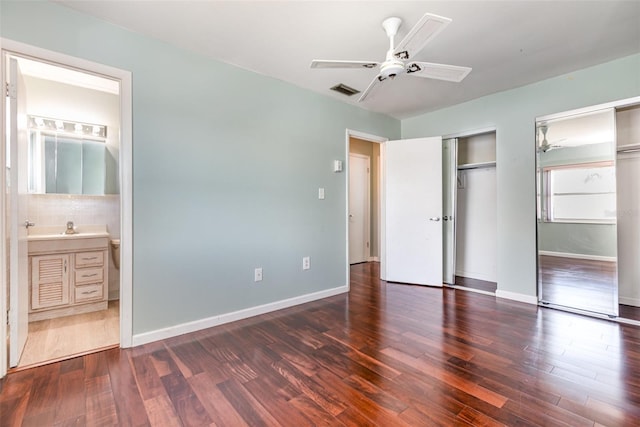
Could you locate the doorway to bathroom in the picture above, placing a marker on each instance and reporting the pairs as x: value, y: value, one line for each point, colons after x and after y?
x: 64, y: 219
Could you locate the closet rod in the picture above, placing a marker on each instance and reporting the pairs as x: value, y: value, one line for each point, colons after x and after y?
x: 629, y: 148
x: 477, y: 165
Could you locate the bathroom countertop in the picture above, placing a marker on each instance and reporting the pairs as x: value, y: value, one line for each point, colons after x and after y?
x: 58, y: 232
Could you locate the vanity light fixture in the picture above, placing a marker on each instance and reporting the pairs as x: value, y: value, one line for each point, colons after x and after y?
x: 65, y: 126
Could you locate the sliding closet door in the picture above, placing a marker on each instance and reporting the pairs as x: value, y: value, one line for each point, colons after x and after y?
x: 628, y: 188
x: 577, y: 237
x: 449, y: 172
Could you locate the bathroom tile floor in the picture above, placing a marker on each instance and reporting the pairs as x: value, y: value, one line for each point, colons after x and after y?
x: 64, y: 337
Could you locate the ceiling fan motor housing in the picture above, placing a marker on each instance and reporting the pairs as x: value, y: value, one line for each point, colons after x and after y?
x: 391, y: 68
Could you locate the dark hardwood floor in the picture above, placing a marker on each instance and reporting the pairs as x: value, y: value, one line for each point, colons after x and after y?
x: 481, y: 285
x: 384, y: 355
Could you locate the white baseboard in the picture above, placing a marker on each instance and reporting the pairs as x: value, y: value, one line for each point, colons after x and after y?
x: 629, y: 301
x: 114, y: 295
x: 373, y: 259
x: 478, y: 276
x: 529, y: 299
x: 196, y: 325
x: 579, y: 256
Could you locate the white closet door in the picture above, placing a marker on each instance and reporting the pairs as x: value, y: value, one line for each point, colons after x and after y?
x: 413, y: 205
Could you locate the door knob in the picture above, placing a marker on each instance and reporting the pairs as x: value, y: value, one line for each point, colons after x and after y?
x: 28, y: 224
x: 435, y: 218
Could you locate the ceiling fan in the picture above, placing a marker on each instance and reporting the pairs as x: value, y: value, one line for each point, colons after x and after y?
x: 399, y: 58
x: 546, y: 145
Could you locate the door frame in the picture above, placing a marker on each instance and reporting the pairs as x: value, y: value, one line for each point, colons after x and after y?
x: 126, y: 181
x: 367, y: 213
x: 381, y: 200
x: 457, y: 135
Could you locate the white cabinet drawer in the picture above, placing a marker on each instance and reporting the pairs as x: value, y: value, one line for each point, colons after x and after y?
x: 89, y: 258
x: 89, y: 275
x: 88, y: 292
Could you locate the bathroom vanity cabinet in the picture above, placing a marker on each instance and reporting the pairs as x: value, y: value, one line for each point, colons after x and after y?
x: 67, y: 276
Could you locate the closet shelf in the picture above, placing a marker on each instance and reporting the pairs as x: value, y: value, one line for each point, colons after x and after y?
x: 477, y: 165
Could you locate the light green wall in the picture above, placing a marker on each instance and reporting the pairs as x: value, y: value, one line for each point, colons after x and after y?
x: 226, y: 169
x: 585, y: 239
x: 513, y: 114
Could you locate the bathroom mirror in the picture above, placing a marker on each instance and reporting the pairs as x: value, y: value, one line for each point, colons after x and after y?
x: 69, y: 158
x: 576, y: 211
x: 66, y: 165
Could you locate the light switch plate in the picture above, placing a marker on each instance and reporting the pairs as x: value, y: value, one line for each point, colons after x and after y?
x: 321, y: 193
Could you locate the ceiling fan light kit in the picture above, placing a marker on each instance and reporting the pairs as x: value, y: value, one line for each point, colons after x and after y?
x: 398, y: 58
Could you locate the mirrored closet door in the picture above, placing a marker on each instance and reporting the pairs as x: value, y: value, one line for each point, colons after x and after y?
x: 587, y: 173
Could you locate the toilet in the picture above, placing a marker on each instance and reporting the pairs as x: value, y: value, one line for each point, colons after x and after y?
x: 115, y: 252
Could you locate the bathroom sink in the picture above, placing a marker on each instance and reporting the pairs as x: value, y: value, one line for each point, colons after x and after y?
x: 58, y: 233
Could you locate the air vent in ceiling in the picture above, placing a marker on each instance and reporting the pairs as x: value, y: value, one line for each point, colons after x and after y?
x: 345, y: 90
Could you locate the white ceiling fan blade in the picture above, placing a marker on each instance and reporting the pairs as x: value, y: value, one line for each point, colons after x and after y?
x: 427, y: 28
x: 320, y: 63
x: 373, y: 87
x: 430, y: 70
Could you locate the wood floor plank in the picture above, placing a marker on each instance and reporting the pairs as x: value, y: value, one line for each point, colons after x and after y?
x: 253, y: 413
x: 186, y: 403
x: 384, y: 354
x: 220, y: 410
x: 268, y: 394
x: 160, y: 411
x: 314, y: 413
x: 100, y: 404
x: 72, y: 386
x: 129, y: 405
x: 43, y: 395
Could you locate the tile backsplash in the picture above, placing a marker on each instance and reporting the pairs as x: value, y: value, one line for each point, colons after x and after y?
x: 57, y: 209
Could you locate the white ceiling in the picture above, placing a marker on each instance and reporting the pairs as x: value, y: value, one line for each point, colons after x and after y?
x: 507, y: 43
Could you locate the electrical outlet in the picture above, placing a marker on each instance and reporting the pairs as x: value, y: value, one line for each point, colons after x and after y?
x: 321, y: 193
x: 306, y: 263
x: 257, y: 274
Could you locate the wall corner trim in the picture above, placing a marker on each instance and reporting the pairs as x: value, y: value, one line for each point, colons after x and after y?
x: 197, y: 325
x: 514, y: 296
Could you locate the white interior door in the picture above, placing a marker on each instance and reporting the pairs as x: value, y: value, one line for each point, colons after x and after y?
x: 359, y: 167
x: 413, y: 205
x: 17, y: 216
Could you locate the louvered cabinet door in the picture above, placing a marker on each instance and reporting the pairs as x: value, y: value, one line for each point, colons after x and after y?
x: 49, y: 281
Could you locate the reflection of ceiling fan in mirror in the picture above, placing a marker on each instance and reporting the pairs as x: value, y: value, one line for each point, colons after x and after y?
x: 544, y: 145
x: 400, y: 58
